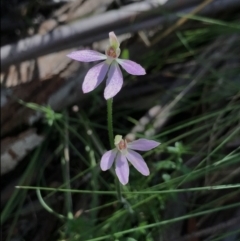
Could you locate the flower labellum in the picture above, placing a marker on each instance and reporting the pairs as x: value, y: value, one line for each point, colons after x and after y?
x: 109, y: 67
x: 123, y: 153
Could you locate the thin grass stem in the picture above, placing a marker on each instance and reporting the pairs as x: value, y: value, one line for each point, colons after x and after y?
x: 66, y: 170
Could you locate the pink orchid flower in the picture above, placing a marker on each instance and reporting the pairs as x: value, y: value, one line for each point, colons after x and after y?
x: 97, y: 73
x: 123, y: 152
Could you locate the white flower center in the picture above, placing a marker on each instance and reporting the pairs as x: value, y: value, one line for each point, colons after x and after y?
x: 122, y: 146
x: 111, y: 52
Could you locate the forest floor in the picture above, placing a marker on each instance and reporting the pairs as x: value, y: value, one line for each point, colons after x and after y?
x: 53, y: 135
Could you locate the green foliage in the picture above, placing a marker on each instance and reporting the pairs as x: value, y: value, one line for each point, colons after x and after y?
x: 125, y: 54
x: 50, y: 116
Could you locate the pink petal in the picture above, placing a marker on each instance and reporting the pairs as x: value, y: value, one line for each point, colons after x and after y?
x: 143, y: 145
x: 94, y: 77
x: 138, y: 162
x: 131, y: 67
x: 122, y: 168
x: 108, y: 159
x: 114, y: 81
x: 86, y: 55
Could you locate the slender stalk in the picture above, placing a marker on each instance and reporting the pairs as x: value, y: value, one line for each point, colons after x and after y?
x: 66, y: 169
x: 118, y: 188
x: 110, y: 122
x: 110, y: 134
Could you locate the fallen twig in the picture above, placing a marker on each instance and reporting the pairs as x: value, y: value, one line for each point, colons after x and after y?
x: 131, y: 18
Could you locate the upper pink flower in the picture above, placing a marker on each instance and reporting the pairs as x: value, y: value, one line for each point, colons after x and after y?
x: 122, y: 153
x: 97, y: 73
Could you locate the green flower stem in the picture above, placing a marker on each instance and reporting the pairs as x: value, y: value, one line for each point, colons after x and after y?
x: 110, y: 134
x: 118, y: 187
x: 110, y: 121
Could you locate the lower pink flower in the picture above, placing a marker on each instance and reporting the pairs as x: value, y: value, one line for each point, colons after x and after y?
x: 123, y: 153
